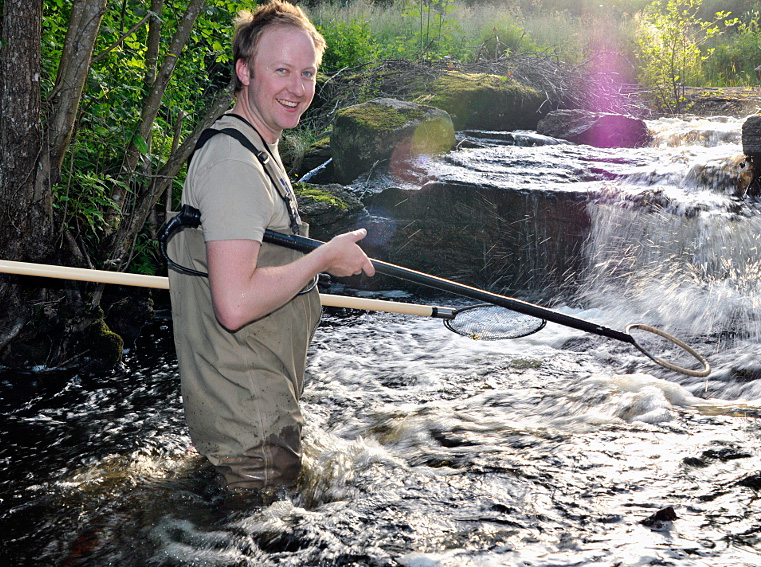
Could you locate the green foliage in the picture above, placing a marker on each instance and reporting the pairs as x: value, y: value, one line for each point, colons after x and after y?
x: 503, y: 37
x: 112, y: 101
x: 145, y: 255
x: 82, y: 203
x: 349, y: 44
x: 436, y: 27
x: 734, y: 60
x: 670, y: 36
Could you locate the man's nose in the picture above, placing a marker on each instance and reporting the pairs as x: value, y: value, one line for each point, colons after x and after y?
x: 296, y: 85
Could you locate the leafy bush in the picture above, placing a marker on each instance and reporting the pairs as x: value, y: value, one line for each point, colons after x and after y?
x: 734, y: 60
x: 349, y: 44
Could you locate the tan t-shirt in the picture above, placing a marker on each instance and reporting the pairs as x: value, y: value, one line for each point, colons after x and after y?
x: 240, y: 389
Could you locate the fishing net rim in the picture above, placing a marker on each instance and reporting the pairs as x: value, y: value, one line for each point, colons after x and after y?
x: 702, y: 373
x: 449, y: 325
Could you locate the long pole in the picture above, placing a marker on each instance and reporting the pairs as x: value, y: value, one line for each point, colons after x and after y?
x: 304, y: 244
x: 162, y: 282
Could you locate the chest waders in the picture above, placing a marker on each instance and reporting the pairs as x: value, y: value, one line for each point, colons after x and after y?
x: 240, y: 389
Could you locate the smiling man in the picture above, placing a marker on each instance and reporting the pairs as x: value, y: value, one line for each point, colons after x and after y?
x: 242, y: 334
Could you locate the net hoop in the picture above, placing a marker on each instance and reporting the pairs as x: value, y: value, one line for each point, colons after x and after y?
x: 703, y: 372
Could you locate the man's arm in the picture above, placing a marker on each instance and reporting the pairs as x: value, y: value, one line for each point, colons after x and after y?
x: 241, y: 292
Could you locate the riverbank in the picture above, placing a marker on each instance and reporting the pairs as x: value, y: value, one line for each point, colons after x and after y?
x: 721, y: 101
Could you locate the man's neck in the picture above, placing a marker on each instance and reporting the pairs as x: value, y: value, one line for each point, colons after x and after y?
x: 241, y: 110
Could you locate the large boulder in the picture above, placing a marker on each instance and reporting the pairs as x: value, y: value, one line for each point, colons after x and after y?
x: 487, y: 102
x: 494, y: 238
x: 751, y: 135
x: 388, y: 131
x: 602, y: 130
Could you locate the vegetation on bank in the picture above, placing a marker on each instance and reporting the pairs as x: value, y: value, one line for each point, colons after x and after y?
x: 94, y: 150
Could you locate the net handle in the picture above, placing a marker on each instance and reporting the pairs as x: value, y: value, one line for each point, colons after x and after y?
x: 703, y: 372
x: 162, y: 282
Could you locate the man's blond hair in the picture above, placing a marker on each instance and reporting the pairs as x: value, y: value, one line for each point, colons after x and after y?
x: 249, y: 27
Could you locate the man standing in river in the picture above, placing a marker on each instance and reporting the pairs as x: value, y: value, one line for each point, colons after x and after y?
x: 242, y: 334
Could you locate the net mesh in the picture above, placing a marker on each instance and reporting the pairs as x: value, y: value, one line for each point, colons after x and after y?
x: 490, y: 323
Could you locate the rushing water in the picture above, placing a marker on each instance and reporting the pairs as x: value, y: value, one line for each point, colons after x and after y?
x: 427, y: 449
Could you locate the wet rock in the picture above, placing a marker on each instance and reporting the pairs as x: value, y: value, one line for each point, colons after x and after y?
x: 597, y: 129
x: 751, y: 135
x: 128, y: 315
x: 329, y: 209
x: 59, y: 336
x: 725, y: 454
x: 488, y: 237
x: 387, y: 133
x: 316, y: 156
x: 105, y: 350
x: 664, y: 515
x: 751, y: 141
x: 722, y: 454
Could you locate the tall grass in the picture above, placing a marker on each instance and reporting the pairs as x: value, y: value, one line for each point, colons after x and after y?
x: 361, y: 31
x: 463, y: 30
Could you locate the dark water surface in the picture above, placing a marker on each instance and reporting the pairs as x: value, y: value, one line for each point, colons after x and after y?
x: 427, y: 449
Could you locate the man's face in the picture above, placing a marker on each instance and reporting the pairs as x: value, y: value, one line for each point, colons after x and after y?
x: 279, y: 84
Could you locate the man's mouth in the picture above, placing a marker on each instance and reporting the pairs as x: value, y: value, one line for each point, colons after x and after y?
x: 288, y: 103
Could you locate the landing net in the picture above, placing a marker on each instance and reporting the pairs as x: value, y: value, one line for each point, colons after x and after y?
x: 491, y: 322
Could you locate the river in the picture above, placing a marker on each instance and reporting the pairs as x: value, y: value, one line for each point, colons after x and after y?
x: 424, y: 448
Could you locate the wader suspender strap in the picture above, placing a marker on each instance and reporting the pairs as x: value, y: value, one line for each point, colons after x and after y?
x: 282, y: 188
x: 190, y: 216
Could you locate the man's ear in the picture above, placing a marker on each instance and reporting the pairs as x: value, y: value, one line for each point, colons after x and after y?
x: 243, y: 71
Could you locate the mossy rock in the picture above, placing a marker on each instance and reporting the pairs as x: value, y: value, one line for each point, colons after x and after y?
x: 387, y: 130
x: 486, y: 102
x: 62, y: 336
x: 329, y: 209
x: 315, y: 156
x: 106, y: 347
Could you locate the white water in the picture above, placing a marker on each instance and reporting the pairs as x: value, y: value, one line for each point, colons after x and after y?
x: 427, y: 449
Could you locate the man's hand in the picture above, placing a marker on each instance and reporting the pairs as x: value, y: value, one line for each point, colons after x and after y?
x: 345, y: 257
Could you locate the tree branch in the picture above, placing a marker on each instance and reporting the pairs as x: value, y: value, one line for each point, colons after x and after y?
x: 119, y: 41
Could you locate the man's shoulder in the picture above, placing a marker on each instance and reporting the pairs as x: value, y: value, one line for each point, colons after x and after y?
x: 219, y: 146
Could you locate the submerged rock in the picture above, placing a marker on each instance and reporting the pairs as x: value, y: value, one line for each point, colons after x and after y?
x: 752, y: 481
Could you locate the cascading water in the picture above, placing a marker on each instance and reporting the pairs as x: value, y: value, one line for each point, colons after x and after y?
x: 427, y: 449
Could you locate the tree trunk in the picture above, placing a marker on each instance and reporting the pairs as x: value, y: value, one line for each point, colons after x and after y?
x: 24, y: 208
x: 154, y: 41
x: 86, y: 16
x: 30, y: 164
x: 21, y: 209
